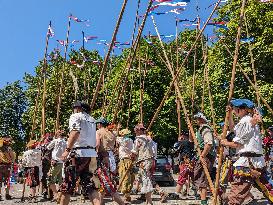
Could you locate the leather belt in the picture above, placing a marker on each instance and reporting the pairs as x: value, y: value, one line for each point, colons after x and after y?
x: 88, y: 147
x: 250, y: 154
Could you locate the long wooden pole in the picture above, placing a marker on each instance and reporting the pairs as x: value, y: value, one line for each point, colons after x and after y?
x: 44, y: 81
x: 140, y: 88
x: 57, y: 125
x: 184, y: 108
x: 108, y: 54
x: 33, y: 127
x: 178, y: 108
x: 250, y: 82
x: 194, y: 74
x: 210, y: 99
x: 231, y: 91
x: 130, y: 102
x: 132, y: 57
x: 250, y: 48
x: 182, y: 66
x: 118, y: 83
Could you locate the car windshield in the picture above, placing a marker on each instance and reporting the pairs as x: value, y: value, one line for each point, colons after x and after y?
x: 161, y: 161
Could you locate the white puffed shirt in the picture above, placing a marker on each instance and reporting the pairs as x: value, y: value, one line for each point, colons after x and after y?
x: 58, y: 145
x: 32, y: 158
x: 249, y: 137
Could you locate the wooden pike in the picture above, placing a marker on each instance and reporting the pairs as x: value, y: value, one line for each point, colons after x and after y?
x: 231, y: 91
x: 189, y: 123
x: 108, y: 54
x: 181, y: 67
x: 44, y: 82
x: 57, y: 124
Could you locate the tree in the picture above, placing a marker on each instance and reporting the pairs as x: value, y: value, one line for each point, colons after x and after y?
x: 13, y: 104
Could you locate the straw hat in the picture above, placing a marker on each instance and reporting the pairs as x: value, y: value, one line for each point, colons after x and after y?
x: 151, y: 134
x: 124, y: 132
x: 31, y: 144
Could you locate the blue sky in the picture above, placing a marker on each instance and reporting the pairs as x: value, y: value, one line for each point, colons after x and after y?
x: 24, y: 26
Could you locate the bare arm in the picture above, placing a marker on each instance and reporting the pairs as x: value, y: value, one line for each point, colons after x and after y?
x: 206, y: 150
x: 230, y: 144
x: 97, y: 142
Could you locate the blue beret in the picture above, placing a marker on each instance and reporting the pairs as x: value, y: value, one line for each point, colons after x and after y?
x: 242, y: 103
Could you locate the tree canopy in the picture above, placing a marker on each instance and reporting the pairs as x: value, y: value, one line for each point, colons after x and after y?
x: 82, y: 71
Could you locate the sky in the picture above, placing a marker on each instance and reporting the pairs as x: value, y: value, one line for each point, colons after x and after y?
x: 24, y: 26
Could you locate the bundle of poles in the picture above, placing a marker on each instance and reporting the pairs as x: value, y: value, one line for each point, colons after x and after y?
x: 175, y: 71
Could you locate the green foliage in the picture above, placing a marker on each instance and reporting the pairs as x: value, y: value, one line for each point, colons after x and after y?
x: 80, y: 83
x: 13, y: 104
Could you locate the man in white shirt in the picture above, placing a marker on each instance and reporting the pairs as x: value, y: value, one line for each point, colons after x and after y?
x: 81, y: 148
x: 125, y: 146
x: 248, y: 143
x: 32, y: 162
x: 143, y: 152
x: 57, y: 146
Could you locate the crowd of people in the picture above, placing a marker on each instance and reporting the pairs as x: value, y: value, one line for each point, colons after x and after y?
x: 97, y: 159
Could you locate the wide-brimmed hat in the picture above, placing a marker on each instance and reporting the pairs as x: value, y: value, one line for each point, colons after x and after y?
x: 31, y: 144
x: 139, y: 126
x: 124, y: 132
x: 200, y: 115
x: 242, y: 103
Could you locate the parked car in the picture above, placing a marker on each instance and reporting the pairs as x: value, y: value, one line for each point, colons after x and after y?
x: 163, y: 171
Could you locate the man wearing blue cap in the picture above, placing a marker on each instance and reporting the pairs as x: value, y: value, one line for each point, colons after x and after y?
x: 248, y: 143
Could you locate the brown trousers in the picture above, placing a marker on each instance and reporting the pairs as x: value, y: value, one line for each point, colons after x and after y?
x: 238, y: 192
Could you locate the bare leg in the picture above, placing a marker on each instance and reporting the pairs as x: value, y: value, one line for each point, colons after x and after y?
x: 96, y: 198
x: 33, y: 191
x: 54, y: 190
x: 65, y: 199
x: 117, y: 198
x: 149, y: 198
x: 178, y: 188
x: 203, y: 194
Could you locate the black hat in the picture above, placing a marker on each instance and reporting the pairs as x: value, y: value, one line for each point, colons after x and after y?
x: 86, y: 107
x: 77, y: 104
x: 185, y: 132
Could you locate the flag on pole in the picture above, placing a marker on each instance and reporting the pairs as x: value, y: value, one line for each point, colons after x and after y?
x: 76, y: 19
x: 75, y: 41
x: 89, y: 38
x: 50, y: 32
x: 160, y: 1
x: 181, y: 20
x: 61, y: 42
x: 247, y: 40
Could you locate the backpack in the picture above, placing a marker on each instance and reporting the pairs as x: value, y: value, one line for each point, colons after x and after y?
x: 200, y: 140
